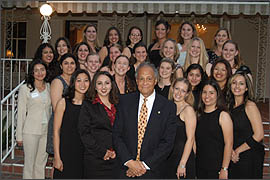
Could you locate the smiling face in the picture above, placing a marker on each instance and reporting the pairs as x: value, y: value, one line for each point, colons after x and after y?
x: 220, y: 72
x: 114, y: 53
x: 121, y: 66
x: 47, y: 55
x: 135, y: 36
x: 39, y: 72
x: 83, y: 51
x: 103, y: 86
x: 221, y: 37
x: 194, y: 77
x: 62, y: 48
x: 113, y: 36
x: 165, y: 70
x: 186, y: 32
x: 93, y: 63
x: 180, y: 91
x: 91, y: 34
x: 169, y: 50
x: 161, y: 31
x: 140, y: 54
x: 209, y: 96
x: 239, y: 86
x: 146, y: 81
x: 82, y: 83
x: 68, y: 66
x: 229, y: 52
x: 195, y: 49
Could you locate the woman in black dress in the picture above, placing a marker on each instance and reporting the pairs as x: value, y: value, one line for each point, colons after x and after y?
x: 165, y: 71
x: 162, y: 29
x: 112, y: 36
x: 221, y: 71
x: 68, y: 149
x: 214, y: 134
x: 95, y: 127
x: 248, y: 151
x: 196, y: 76
x: 124, y: 83
x: 181, y: 162
x: 135, y: 35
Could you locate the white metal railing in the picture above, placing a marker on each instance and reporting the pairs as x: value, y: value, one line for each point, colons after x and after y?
x: 12, y: 73
x: 9, y: 105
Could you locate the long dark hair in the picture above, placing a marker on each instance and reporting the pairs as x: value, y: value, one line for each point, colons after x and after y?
x: 228, y: 69
x: 75, y: 52
x: 129, y: 33
x: 220, y: 104
x: 179, y: 38
x: 70, y: 93
x: 106, y: 39
x: 248, y: 95
x: 52, y: 68
x: 203, y: 75
x: 114, y: 93
x: 57, y: 42
x: 29, y: 80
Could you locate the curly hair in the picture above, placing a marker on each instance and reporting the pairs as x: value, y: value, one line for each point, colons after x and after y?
x: 106, y: 39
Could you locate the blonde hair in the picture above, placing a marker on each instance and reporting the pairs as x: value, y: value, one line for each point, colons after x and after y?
x: 189, y: 98
x: 203, y: 59
x: 176, y: 50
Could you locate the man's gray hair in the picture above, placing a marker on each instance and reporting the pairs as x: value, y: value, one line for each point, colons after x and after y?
x: 146, y: 64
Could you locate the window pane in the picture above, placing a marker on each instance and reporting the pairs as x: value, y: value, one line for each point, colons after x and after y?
x: 15, y: 30
x: 14, y: 49
x: 22, y: 30
x: 21, y: 48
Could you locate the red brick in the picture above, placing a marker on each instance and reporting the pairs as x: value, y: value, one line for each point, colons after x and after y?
x: 7, y: 168
x: 17, y: 169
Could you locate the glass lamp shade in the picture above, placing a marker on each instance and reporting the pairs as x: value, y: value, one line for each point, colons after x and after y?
x: 46, y: 10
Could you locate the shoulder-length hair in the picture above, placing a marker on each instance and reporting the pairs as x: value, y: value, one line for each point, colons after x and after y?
x: 57, y: 42
x: 96, y: 42
x: 176, y: 50
x: 38, y: 53
x: 129, y: 33
x: 106, y: 39
x: 189, y: 98
x: 114, y: 93
x: 227, y: 66
x: 194, y: 67
x: 221, y: 29
x: 203, y: 59
x: 248, y: 95
x: 179, y: 38
x: 78, y: 46
x: 69, y: 55
x: 29, y: 80
x: 220, y: 103
x: 237, y: 59
x: 70, y: 93
x: 171, y: 62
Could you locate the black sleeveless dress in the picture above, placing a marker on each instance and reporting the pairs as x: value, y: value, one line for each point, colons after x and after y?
x: 49, y: 146
x: 107, y: 58
x: 174, y: 158
x: 250, y: 164
x: 71, y: 147
x: 154, y: 55
x: 209, y: 145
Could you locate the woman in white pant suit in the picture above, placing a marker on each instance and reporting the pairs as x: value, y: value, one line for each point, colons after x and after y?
x: 34, y: 111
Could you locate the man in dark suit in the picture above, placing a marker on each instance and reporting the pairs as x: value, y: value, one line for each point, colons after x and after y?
x: 141, y: 151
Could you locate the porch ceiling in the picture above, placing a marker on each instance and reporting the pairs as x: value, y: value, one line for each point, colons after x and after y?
x: 152, y: 7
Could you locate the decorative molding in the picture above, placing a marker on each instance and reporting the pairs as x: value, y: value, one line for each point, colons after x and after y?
x: 263, y: 34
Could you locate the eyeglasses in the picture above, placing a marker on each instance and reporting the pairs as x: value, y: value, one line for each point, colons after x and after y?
x: 135, y: 35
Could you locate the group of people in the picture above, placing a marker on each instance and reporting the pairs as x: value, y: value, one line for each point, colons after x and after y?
x: 172, y: 110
